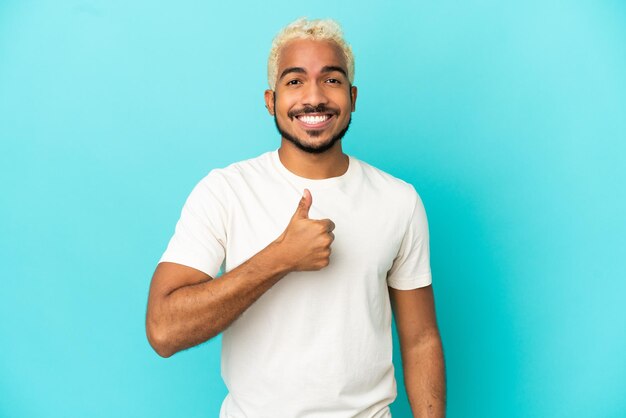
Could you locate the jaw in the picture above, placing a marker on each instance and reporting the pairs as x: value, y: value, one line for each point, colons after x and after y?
x: 309, y: 140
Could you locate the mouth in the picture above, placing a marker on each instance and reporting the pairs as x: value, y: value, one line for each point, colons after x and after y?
x: 314, y: 120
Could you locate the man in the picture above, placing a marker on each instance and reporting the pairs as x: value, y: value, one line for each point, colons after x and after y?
x: 316, y: 246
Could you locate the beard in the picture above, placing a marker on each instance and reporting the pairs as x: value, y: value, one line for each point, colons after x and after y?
x: 299, y: 143
x: 313, y: 149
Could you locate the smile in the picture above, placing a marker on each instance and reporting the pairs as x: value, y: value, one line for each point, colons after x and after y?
x: 314, y: 121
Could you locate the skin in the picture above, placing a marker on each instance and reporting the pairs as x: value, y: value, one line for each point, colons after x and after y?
x: 314, y: 86
x: 422, y: 352
x: 186, y: 307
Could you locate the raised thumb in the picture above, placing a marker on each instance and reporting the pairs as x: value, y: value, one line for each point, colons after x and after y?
x: 302, y: 211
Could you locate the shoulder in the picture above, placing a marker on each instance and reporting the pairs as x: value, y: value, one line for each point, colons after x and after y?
x: 389, y: 187
x: 244, y: 170
x: 221, y: 183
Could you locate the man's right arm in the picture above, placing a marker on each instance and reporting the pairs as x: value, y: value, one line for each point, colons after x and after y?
x: 187, y: 307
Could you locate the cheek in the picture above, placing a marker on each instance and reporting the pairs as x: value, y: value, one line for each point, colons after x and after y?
x: 281, y: 107
x: 343, y: 100
x: 281, y: 112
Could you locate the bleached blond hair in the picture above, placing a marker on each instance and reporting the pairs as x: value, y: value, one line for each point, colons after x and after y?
x: 318, y: 30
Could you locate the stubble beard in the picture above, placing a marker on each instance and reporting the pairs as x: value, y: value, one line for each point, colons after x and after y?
x: 300, y: 144
x: 313, y: 149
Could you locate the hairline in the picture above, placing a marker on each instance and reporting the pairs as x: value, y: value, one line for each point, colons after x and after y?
x: 321, y: 30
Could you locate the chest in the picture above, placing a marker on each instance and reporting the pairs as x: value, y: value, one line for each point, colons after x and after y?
x: 368, y: 229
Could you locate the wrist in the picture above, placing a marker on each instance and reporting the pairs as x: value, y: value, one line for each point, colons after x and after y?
x: 278, y: 258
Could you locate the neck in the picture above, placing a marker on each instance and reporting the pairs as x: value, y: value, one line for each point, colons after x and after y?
x: 331, y: 163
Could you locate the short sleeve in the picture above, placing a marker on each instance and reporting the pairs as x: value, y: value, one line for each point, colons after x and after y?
x: 411, y: 267
x: 199, y: 240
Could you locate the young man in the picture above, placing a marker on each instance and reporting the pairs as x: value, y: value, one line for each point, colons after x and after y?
x: 316, y: 247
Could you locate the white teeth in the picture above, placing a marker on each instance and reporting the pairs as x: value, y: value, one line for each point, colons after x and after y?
x: 312, y: 120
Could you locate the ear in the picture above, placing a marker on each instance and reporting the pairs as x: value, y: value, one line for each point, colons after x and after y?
x: 269, y: 101
x: 353, y: 94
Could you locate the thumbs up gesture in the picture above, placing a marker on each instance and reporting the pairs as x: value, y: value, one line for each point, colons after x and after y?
x: 306, y: 242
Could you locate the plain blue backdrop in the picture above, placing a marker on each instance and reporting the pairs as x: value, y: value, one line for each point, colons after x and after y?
x: 509, y: 118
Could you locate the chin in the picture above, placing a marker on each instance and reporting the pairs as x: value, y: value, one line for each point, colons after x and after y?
x: 317, y: 145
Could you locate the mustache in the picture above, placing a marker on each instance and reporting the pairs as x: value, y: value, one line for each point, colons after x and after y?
x: 320, y: 108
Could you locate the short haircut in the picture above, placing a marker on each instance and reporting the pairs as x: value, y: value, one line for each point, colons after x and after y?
x: 318, y: 30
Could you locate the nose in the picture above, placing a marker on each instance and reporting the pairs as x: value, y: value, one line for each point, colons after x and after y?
x: 313, y: 94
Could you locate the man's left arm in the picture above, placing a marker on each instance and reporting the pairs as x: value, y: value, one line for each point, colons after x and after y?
x: 422, y: 351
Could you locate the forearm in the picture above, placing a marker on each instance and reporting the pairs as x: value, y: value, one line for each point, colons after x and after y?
x: 424, y: 378
x: 186, y: 307
x: 193, y: 314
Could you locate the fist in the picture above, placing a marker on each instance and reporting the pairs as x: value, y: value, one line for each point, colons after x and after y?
x: 306, y: 242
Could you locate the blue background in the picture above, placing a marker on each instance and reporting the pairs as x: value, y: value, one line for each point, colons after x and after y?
x: 508, y: 117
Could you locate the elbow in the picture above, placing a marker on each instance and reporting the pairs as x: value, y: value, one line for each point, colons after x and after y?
x: 159, y: 340
x: 426, y: 340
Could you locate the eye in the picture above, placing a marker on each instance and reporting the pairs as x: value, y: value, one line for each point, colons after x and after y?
x: 293, y: 82
x: 333, y: 81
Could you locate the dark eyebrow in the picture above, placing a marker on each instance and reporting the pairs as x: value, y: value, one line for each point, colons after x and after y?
x: 286, y: 71
x: 325, y: 69
x: 331, y: 68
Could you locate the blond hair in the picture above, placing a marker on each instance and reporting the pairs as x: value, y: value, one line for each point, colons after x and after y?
x: 318, y: 30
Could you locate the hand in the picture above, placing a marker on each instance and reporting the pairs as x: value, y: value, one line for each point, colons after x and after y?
x: 305, y: 242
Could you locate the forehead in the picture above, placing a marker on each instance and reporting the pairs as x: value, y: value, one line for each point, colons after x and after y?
x: 311, y: 55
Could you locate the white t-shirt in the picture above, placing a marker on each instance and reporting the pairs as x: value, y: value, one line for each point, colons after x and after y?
x: 316, y: 344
